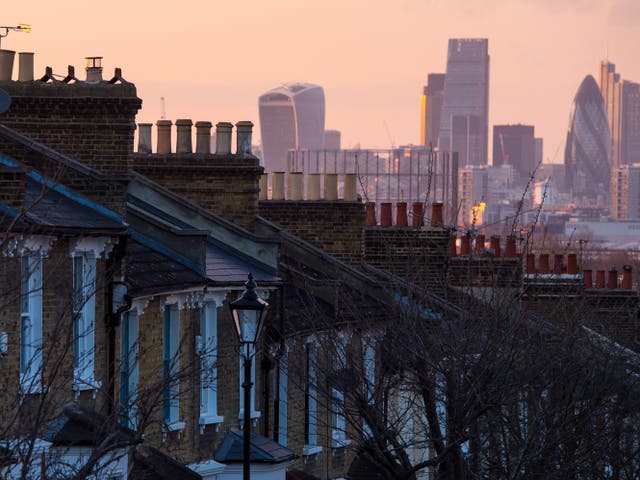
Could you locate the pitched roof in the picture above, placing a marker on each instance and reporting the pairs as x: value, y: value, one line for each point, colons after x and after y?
x: 151, y: 464
x: 76, y: 426
x: 262, y: 449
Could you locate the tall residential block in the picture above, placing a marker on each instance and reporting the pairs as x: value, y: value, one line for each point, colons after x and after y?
x: 625, y: 192
x: 291, y: 116
x: 430, y: 108
x: 465, y: 110
x: 515, y: 145
x: 586, y: 158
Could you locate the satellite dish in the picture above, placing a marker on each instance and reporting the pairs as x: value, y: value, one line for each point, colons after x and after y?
x: 5, y: 101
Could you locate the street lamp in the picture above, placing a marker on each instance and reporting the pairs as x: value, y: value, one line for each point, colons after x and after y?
x: 249, y: 312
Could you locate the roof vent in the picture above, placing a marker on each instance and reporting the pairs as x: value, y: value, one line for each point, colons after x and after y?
x: 94, y: 69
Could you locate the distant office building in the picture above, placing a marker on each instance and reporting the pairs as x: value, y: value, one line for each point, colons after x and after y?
x: 554, y: 172
x: 473, y: 189
x: 610, y: 89
x: 586, y: 158
x: 515, y: 145
x: 430, y: 108
x: 539, y: 151
x: 622, y: 102
x: 625, y: 192
x: 630, y: 124
x: 332, y: 140
x: 291, y: 116
x: 464, y: 116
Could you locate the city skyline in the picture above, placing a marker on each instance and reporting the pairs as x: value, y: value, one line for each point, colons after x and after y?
x: 172, y: 52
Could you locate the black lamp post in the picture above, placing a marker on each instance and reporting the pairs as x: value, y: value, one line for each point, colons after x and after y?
x: 249, y: 312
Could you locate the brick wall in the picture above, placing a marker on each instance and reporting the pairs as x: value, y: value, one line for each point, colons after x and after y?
x: 92, y: 123
x: 12, y: 186
x: 333, y: 226
x: 223, y: 184
x: 417, y: 255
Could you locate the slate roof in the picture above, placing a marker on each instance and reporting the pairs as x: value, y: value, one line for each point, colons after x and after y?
x: 226, y: 268
x: 152, y: 268
x: 76, y: 426
x: 151, y: 464
x: 262, y: 449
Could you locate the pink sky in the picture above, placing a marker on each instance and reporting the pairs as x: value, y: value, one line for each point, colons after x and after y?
x: 212, y: 59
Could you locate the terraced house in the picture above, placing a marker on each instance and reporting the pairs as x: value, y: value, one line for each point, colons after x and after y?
x: 391, y: 349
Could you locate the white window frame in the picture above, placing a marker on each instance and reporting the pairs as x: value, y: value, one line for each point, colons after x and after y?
x: 129, y: 350
x: 171, y: 368
x: 311, y: 446
x: 283, y: 401
x: 208, y: 366
x: 338, y: 420
x: 31, y: 323
x: 369, y: 352
x: 84, y: 319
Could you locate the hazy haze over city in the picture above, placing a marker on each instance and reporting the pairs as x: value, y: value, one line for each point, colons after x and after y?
x: 212, y: 59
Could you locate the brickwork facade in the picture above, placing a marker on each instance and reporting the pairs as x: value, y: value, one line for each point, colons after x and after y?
x: 333, y: 226
x: 92, y: 123
x: 223, y: 184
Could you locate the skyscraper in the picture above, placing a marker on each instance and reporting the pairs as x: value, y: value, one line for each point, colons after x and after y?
x: 515, y: 145
x: 586, y: 157
x: 291, y: 116
x: 622, y: 101
x: 430, y: 107
x: 332, y: 140
x: 464, y: 116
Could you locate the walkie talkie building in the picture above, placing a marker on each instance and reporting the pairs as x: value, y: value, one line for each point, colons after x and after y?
x: 586, y: 158
x: 291, y: 117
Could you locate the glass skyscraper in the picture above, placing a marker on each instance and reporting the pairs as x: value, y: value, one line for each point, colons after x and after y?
x: 430, y: 108
x: 464, y: 117
x: 291, y: 116
x: 586, y: 158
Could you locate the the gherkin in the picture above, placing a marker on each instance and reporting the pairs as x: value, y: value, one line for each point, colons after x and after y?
x: 586, y: 157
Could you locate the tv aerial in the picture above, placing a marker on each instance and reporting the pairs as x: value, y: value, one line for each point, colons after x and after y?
x: 23, y: 27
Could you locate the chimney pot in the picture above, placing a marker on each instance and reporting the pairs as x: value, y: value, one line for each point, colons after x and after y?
x: 543, y: 263
x: 417, y: 214
x: 588, y: 278
x: 223, y: 141
x: 436, y: 215
x: 164, y: 136
x: 144, y: 137
x: 183, y: 136
x: 25, y: 67
x: 558, y: 261
x: 478, y: 246
x: 453, y: 250
x: 263, y: 184
x: 385, y: 215
x: 600, y: 282
x: 613, y: 279
x: 331, y: 187
x: 277, y: 186
x: 531, y: 263
x: 6, y: 64
x: 243, y: 137
x: 349, y: 193
x: 295, y: 186
x: 401, y: 215
x: 495, y: 245
x: 313, y: 186
x: 511, y: 250
x: 627, y: 277
x: 93, y: 69
x: 370, y: 214
x: 465, y: 245
x: 203, y: 137
x: 572, y: 264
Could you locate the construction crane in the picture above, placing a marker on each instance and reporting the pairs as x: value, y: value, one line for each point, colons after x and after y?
x: 163, y: 109
x: 386, y: 127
